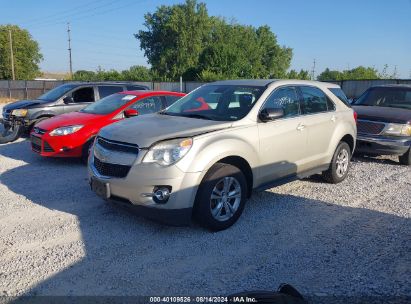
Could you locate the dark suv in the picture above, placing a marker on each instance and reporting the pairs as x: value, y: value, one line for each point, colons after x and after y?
x: 20, y: 116
x: 384, y: 121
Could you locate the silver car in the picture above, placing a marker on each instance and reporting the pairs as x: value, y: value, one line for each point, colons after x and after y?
x: 204, y: 155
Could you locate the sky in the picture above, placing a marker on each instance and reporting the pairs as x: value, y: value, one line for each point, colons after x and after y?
x: 337, y: 34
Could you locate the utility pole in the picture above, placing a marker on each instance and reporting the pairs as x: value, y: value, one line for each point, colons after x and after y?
x: 69, y: 49
x: 313, y: 71
x: 13, y: 76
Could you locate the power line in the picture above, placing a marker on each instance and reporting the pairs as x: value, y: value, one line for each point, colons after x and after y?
x: 69, y: 49
x: 11, y: 56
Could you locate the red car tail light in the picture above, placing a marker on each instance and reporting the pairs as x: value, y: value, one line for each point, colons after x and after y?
x: 355, y: 116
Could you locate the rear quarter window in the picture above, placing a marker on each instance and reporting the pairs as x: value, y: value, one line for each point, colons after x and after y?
x: 340, y: 95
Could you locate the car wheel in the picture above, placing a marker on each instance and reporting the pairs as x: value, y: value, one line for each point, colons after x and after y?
x: 10, y: 134
x: 221, y: 197
x: 340, y: 164
x: 86, y: 150
x: 405, y: 159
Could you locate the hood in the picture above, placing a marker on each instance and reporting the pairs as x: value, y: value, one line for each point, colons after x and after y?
x: 384, y: 114
x: 147, y: 129
x: 24, y: 104
x: 69, y: 119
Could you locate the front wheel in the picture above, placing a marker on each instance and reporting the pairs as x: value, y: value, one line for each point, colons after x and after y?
x: 340, y: 164
x: 221, y: 197
x: 405, y: 159
x: 10, y: 133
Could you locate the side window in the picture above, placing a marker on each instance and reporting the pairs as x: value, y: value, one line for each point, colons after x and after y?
x: 148, y: 105
x: 314, y: 101
x: 285, y: 98
x: 108, y: 90
x: 136, y: 88
x: 83, y: 95
x: 171, y: 99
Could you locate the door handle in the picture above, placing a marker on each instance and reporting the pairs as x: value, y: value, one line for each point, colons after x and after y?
x: 333, y: 118
x: 300, y: 127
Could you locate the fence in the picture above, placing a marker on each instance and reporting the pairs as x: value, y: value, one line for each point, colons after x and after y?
x: 21, y: 89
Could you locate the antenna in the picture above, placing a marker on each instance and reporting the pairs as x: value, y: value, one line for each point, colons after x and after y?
x: 69, y: 49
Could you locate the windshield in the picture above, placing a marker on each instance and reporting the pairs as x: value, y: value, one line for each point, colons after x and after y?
x: 386, y: 97
x: 108, y: 104
x: 217, y: 102
x: 57, y: 92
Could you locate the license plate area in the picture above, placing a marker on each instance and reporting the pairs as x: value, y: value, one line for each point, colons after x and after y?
x: 100, y: 188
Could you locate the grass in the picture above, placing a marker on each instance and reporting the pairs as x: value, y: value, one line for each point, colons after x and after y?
x: 6, y: 100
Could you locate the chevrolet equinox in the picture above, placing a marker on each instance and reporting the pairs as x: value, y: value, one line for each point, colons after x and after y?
x: 204, y: 155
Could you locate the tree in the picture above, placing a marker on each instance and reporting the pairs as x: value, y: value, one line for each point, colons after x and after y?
x: 358, y: 73
x: 26, y: 53
x: 175, y: 37
x: 303, y: 75
x: 184, y: 40
x: 137, y: 73
x: 83, y: 75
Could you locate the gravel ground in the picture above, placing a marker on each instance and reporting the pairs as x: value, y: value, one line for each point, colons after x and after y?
x: 58, y: 238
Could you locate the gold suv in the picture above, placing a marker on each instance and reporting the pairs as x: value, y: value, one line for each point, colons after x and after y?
x: 204, y: 155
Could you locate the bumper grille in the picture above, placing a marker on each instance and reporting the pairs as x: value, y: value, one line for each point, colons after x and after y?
x: 36, y: 144
x: 369, y: 127
x: 111, y: 170
x: 117, y: 146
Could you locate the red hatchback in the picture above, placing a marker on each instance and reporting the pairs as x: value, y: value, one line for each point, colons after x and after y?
x: 71, y: 134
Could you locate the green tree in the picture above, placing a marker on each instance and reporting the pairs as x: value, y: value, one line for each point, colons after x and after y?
x: 26, y: 53
x: 328, y: 74
x: 303, y: 75
x: 184, y: 40
x: 361, y: 73
x: 83, y: 75
x: 137, y: 73
x: 175, y: 37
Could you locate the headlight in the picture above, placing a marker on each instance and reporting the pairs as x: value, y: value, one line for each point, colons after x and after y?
x: 65, y: 130
x: 397, y: 129
x: 168, y: 152
x: 19, y: 112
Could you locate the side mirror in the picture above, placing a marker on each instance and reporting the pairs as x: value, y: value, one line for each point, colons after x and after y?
x: 68, y: 100
x: 130, y: 113
x: 270, y: 114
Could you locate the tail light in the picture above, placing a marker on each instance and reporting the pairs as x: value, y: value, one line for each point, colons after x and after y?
x: 355, y: 116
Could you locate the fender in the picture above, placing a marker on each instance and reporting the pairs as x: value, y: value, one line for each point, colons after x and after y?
x: 342, y: 130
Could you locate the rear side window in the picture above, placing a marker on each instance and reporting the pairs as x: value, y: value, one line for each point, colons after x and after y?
x: 315, y: 101
x: 285, y: 98
x: 341, y: 96
x: 108, y: 90
x: 136, y: 88
x: 171, y: 99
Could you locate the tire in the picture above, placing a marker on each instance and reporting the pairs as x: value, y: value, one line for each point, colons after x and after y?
x: 86, y: 150
x: 340, y: 164
x: 226, y: 210
x: 405, y: 159
x: 7, y: 135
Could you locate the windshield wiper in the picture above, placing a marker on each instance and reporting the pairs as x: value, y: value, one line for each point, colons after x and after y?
x: 197, y: 116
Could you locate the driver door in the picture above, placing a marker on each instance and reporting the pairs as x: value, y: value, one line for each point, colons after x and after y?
x: 283, y: 141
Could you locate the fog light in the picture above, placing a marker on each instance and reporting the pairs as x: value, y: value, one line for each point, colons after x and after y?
x: 161, y: 194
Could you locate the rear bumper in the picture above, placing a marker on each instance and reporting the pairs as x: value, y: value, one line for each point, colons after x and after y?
x: 380, y: 145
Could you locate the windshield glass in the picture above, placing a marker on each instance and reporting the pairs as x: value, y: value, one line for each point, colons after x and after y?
x: 108, y: 104
x: 217, y: 102
x: 57, y: 92
x: 386, y: 97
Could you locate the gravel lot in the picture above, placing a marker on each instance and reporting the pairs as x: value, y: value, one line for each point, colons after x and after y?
x: 58, y: 238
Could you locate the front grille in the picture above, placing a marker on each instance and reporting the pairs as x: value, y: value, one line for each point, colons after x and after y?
x: 47, y: 147
x: 370, y: 127
x: 111, y: 170
x: 38, y: 130
x: 117, y: 146
x: 35, y: 143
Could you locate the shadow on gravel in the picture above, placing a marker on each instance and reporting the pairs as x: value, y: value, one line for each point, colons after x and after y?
x: 387, y: 160
x: 317, y: 246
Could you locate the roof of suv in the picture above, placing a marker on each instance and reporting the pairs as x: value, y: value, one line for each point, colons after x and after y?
x: 266, y: 82
x: 402, y: 85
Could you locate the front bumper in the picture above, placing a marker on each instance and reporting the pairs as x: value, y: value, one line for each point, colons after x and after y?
x: 380, y: 145
x: 55, y: 146
x: 133, y: 190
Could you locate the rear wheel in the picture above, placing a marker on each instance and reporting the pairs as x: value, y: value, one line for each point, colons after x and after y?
x: 10, y: 133
x: 340, y: 164
x: 221, y: 197
x: 405, y: 159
